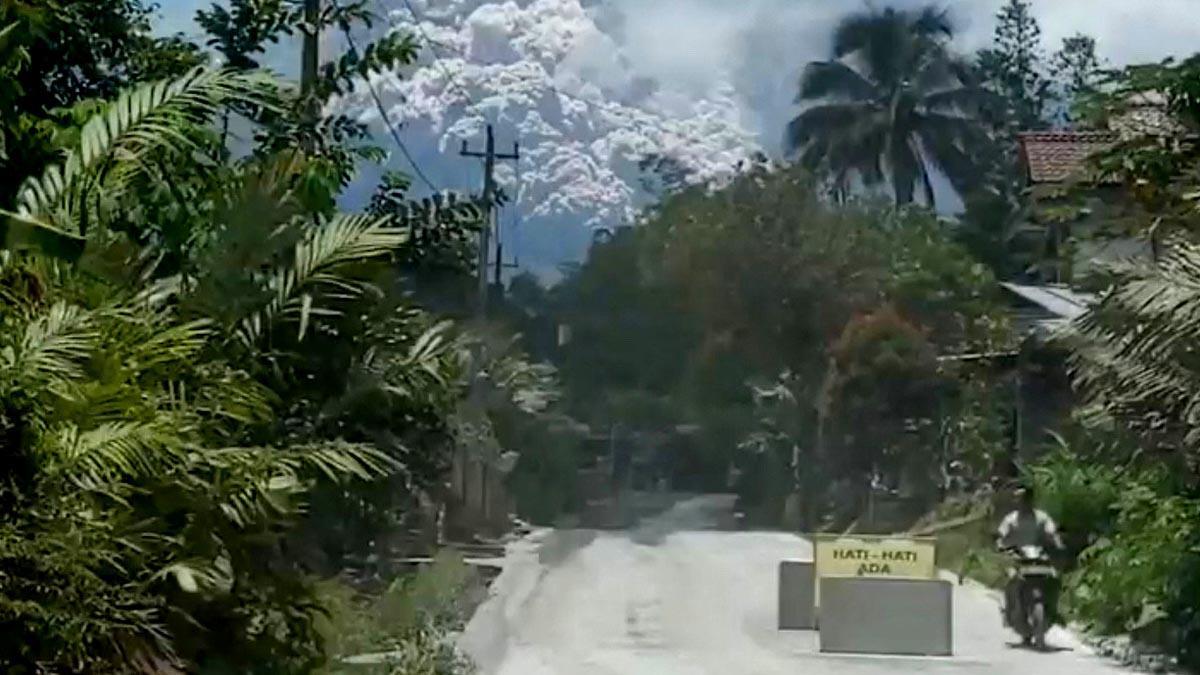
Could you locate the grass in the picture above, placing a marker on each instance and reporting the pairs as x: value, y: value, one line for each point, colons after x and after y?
x: 966, y: 543
x: 413, y: 621
x: 969, y: 555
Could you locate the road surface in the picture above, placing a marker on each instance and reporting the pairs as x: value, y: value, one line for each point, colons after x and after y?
x: 670, y: 598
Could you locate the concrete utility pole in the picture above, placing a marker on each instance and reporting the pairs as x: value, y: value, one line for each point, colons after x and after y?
x: 489, y: 156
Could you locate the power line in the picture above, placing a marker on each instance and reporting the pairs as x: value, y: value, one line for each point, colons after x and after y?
x: 383, y: 114
x: 418, y: 20
x: 453, y: 81
x: 515, y: 224
x: 489, y: 157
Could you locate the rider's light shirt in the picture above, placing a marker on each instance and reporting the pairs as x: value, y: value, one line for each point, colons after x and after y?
x: 1027, y: 529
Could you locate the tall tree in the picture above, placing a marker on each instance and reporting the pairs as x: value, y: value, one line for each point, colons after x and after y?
x: 1015, y: 66
x: 892, y: 105
x: 1078, y: 67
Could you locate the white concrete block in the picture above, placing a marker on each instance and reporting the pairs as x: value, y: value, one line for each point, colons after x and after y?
x: 797, y: 591
x: 862, y: 615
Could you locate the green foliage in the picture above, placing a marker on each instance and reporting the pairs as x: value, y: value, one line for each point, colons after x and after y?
x: 1015, y: 66
x: 892, y: 106
x: 1081, y: 496
x: 122, y: 432
x: 407, y: 625
x: 1133, y: 356
x: 58, y: 54
x: 442, y: 227
x: 243, y: 31
x: 1159, y: 175
x: 1079, y: 69
x: 752, y: 284
x: 1126, y: 581
x: 115, y: 146
x: 227, y: 393
x: 1132, y: 503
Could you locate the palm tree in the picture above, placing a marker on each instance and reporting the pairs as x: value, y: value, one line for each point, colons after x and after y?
x: 1133, y: 355
x: 892, y: 105
x: 143, y: 471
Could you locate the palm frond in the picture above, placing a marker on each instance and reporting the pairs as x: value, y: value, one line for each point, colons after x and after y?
x: 173, y: 344
x: 226, y: 395
x: 152, y: 117
x: 22, y: 233
x: 118, y: 451
x: 957, y: 100
x: 827, y: 122
x: 1134, y: 354
x: 952, y: 159
x: 51, y: 349
x: 322, y: 272
x: 834, y: 79
x: 250, y: 485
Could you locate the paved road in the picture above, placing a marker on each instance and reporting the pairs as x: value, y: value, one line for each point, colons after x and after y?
x: 671, y: 599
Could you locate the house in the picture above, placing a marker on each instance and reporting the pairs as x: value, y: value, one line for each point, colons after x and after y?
x: 1082, y: 219
x: 1041, y: 383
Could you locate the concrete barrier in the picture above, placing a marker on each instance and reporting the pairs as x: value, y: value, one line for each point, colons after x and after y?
x: 796, y: 595
x: 910, y: 617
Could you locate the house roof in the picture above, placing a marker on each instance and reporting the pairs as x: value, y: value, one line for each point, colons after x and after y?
x: 1055, y: 156
x: 1060, y: 301
x: 1049, y: 308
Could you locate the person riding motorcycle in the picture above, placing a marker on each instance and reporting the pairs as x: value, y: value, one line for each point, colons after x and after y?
x: 1027, y: 526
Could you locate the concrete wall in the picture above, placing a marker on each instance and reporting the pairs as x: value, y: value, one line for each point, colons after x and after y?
x: 796, y: 596
x: 886, y: 616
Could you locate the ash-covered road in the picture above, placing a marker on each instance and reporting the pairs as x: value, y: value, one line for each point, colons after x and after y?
x: 670, y: 598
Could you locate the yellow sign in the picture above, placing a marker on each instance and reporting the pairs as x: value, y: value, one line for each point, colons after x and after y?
x: 874, y: 556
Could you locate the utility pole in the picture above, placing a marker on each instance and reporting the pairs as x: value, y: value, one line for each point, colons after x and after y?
x: 489, y: 156
x: 310, y: 57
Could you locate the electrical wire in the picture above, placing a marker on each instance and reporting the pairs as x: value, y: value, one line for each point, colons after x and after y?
x: 387, y: 122
x: 418, y: 21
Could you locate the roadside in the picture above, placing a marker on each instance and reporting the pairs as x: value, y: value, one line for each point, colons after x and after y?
x: 965, y: 550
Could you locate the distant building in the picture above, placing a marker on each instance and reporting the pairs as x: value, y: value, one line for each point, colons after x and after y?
x: 1084, y: 219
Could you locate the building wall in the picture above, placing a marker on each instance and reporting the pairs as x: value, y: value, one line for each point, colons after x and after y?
x: 1084, y: 229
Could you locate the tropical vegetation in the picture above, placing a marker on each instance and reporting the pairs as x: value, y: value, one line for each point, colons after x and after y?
x: 225, y: 397
x: 894, y: 105
x: 216, y: 390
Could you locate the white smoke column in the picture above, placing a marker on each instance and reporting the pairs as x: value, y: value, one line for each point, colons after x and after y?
x: 545, y: 72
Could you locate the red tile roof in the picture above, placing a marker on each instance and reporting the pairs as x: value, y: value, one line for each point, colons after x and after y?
x: 1055, y: 156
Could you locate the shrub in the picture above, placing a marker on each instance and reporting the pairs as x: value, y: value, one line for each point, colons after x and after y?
x: 1130, y: 580
x: 410, y: 625
x: 1079, y: 495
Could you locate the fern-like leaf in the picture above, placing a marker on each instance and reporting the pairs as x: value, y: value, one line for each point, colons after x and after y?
x: 115, y: 142
x: 51, y: 349
x: 321, y: 273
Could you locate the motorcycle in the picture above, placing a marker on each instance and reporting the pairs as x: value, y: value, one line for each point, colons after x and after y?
x: 1035, y: 577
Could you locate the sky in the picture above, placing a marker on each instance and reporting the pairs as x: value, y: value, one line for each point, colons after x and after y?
x: 761, y: 45
x: 739, y: 55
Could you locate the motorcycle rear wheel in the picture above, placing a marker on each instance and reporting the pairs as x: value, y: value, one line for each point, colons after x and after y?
x: 1037, y: 624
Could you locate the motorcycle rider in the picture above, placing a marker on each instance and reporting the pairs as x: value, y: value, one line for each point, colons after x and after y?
x: 1028, y: 526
